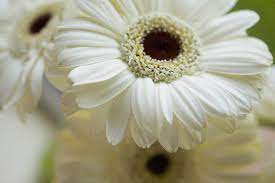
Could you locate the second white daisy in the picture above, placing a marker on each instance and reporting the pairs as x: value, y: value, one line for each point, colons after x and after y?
x: 85, y: 156
x: 26, y: 29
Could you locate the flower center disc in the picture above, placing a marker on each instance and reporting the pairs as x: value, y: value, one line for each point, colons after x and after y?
x: 40, y: 23
x: 158, y: 164
x: 161, y: 46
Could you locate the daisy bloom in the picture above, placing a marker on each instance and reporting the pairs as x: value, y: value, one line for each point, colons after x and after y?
x: 84, y: 155
x: 163, y: 68
x: 26, y: 29
x: 265, y: 109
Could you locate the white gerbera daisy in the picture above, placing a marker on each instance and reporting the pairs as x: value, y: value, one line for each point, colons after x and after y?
x: 166, y: 66
x: 26, y: 27
x: 265, y: 110
x: 226, y: 158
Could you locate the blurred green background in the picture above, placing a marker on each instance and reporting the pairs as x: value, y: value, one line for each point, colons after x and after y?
x: 265, y: 29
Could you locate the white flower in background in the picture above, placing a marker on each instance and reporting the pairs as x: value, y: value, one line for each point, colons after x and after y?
x: 163, y: 68
x: 26, y: 27
x: 265, y: 110
x: 84, y: 155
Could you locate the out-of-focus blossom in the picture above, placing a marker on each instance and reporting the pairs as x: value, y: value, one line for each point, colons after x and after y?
x: 26, y: 30
x: 85, y: 156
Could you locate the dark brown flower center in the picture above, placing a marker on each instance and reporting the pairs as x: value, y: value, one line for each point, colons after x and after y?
x: 40, y: 23
x: 161, y: 45
x: 158, y: 164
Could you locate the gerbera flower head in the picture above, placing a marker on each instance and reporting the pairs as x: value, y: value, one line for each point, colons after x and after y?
x: 26, y: 30
x: 84, y: 155
x: 163, y: 68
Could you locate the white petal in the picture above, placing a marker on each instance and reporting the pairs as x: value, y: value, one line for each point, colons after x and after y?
x: 86, y: 26
x: 213, y: 100
x: 248, y: 90
x: 242, y: 100
x: 234, y: 63
x: 229, y: 26
x: 36, y: 80
x: 146, y: 7
x: 94, y: 95
x: 160, y: 5
x: 223, y: 106
x: 188, y: 137
x: 79, y: 38
x: 169, y: 137
x: 187, y: 107
x: 23, y: 83
x: 29, y: 89
x: 8, y: 79
x: 166, y: 102
x: 246, y: 45
x: 118, y: 117
x: 104, y: 12
x: 141, y: 137
x: 97, y: 72
x: 199, y: 12
x: 129, y: 9
x: 144, y: 104
x: 160, y: 116
x: 185, y: 138
x: 74, y: 57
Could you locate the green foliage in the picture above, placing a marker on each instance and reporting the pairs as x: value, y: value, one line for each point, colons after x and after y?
x: 265, y: 29
x: 47, y: 165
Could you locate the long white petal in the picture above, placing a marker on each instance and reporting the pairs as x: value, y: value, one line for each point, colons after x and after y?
x: 129, y: 9
x: 141, y: 137
x: 201, y: 11
x: 230, y: 26
x: 94, y: 95
x: 36, y: 80
x: 144, y: 104
x: 8, y: 79
x: 79, y: 38
x: 169, y: 137
x: 97, y: 72
x: 104, y: 12
x: 84, y: 24
x: 118, y: 117
x: 78, y: 56
x: 213, y: 100
x: 187, y: 107
x: 147, y: 7
x: 241, y: 98
x: 245, y: 44
x: 235, y: 63
x: 166, y: 102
